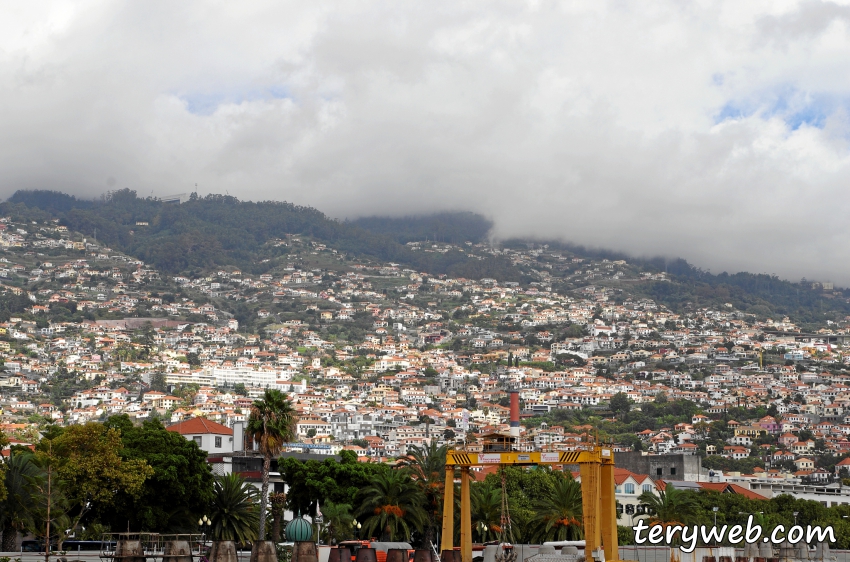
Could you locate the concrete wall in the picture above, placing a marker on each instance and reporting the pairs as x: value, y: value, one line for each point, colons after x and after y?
x: 672, y: 467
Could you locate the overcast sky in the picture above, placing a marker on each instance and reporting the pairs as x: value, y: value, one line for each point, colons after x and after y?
x: 717, y: 131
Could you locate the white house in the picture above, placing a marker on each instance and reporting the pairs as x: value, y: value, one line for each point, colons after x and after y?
x: 212, y: 437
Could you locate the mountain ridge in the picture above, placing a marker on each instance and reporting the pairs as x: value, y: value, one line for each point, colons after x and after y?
x: 219, y: 230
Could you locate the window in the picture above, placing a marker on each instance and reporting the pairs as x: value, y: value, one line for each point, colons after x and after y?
x: 672, y: 470
x: 197, y: 440
x: 617, y: 490
x: 218, y: 442
x: 658, y: 472
x: 630, y: 488
x: 647, y: 488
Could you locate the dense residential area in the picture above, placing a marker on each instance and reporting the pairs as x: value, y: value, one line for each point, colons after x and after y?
x: 379, y: 358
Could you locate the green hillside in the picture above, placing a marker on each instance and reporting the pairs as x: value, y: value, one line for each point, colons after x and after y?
x: 453, y: 228
x: 218, y: 230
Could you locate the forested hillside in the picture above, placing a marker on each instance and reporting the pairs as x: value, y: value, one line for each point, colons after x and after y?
x: 454, y: 228
x: 218, y: 230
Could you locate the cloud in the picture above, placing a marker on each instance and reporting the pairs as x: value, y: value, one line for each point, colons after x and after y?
x: 715, y: 131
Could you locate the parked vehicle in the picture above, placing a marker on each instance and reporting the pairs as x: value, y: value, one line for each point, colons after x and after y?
x: 381, y: 548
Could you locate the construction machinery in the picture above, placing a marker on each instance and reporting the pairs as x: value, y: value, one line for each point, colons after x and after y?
x: 596, y: 466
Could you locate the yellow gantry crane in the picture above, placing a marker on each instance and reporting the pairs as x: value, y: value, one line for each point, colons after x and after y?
x: 596, y: 466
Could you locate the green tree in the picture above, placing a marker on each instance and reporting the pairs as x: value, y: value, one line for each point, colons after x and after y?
x: 158, y: 382
x: 392, y: 505
x: 22, y: 478
x: 277, y: 503
x: 271, y: 424
x: 235, y: 510
x: 560, y: 513
x: 313, y: 481
x: 180, y: 488
x: 525, y: 489
x: 427, y: 466
x: 620, y: 404
x: 90, y: 470
x: 486, y: 510
x: 339, y: 522
x: 670, y: 506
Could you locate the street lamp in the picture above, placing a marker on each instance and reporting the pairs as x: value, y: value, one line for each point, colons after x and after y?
x: 204, y: 524
x: 359, y: 526
x: 318, y: 520
x: 795, y: 517
x: 482, y: 529
x: 715, y: 510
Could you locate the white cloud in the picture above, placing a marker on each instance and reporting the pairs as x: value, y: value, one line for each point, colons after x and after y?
x: 716, y: 131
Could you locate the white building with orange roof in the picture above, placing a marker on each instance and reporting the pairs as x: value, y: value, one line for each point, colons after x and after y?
x: 212, y: 437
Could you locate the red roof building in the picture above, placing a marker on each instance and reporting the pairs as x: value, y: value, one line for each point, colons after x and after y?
x: 210, y: 436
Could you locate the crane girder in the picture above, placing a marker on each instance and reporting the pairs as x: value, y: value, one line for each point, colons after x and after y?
x: 598, y: 455
x: 596, y: 467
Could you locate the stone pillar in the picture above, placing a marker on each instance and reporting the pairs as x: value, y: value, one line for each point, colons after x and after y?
x: 129, y: 550
x: 396, y: 555
x: 263, y: 551
x: 423, y: 555
x: 305, y: 551
x: 366, y: 555
x: 339, y: 554
x: 177, y: 551
x: 223, y: 551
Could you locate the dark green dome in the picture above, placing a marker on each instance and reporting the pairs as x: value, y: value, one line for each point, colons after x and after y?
x: 298, y: 530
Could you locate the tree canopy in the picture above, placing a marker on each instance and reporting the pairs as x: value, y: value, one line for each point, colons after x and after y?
x: 180, y: 487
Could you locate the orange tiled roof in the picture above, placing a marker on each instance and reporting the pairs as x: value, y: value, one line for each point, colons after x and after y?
x: 196, y: 426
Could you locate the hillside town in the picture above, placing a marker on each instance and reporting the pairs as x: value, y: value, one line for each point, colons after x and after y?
x: 378, y: 359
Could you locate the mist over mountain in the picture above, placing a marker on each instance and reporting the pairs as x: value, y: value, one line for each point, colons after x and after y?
x: 203, y: 234
x: 218, y: 230
x: 715, y: 131
x: 453, y: 227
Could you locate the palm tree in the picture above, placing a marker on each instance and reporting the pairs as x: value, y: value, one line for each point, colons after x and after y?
x: 234, y: 511
x: 670, y: 506
x: 486, y: 511
x: 427, y: 466
x: 271, y: 424
x: 338, y: 521
x: 278, y: 503
x: 22, y: 478
x: 393, y: 504
x: 560, y: 513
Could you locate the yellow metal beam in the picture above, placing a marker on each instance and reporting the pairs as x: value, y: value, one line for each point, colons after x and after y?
x: 465, y: 517
x: 590, y: 500
x: 596, y: 465
x: 462, y: 458
x: 608, y: 512
x: 447, y: 538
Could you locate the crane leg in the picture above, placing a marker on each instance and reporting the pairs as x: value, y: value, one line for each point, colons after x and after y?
x: 448, y: 536
x: 608, y: 513
x: 465, y: 517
